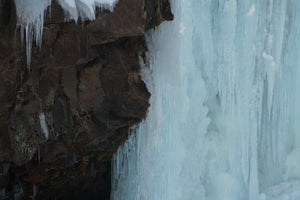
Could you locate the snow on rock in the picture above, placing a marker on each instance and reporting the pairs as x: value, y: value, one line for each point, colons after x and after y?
x: 31, y: 16
x: 85, y: 8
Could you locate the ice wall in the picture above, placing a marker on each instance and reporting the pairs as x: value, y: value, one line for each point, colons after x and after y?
x: 225, y: 107
x: 30, y: 15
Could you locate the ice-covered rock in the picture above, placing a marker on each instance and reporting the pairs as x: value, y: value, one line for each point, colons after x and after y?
x: 30, y: 15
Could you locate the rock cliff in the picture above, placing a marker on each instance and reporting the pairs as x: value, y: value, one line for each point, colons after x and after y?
x: 62, y: 120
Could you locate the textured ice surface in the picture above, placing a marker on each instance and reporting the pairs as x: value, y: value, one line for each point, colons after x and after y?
x: 30, y: 15
x: 283, y: 191
x: 224, y: 119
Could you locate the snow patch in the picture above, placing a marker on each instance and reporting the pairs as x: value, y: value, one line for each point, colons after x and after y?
x: 145, y: 74
x: 269, y: 58
x: 251, y: 11
x: 181, y: 29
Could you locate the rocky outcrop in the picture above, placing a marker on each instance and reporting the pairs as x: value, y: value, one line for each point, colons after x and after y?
x: 61, y: 122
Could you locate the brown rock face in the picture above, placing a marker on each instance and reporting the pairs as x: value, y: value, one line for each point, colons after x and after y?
x: 84, y: 85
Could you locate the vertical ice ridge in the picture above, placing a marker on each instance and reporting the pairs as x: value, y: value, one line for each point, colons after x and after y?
x: 30, y: 15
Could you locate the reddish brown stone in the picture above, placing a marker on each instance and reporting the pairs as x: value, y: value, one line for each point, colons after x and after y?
x: 128, y: 19
x: 90, y: 90
x: 34, y: 178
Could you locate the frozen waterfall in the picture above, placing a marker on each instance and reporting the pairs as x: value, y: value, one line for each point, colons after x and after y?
x: 30, y: 15
x: 224, y: 119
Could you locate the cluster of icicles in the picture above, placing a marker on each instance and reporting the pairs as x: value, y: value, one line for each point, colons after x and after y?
x: 31, y: 16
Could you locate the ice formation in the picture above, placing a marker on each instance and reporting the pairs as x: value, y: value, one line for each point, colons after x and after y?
x: 43, y: 125
x: 30, y: 15
x: 85, y: 8
x: 224, y: 119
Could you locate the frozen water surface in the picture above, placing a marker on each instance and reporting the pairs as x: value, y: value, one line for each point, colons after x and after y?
x: 224, y: 119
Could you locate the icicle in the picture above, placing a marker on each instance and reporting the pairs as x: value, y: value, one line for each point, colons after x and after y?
x: 93, y: 172
x: 30, y: 15
x: 85, y: 8
x: 34, y: 191
x: 69, y: 6
x: 39, y: 155
x: 44, y: 125
x: 74, y: 157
